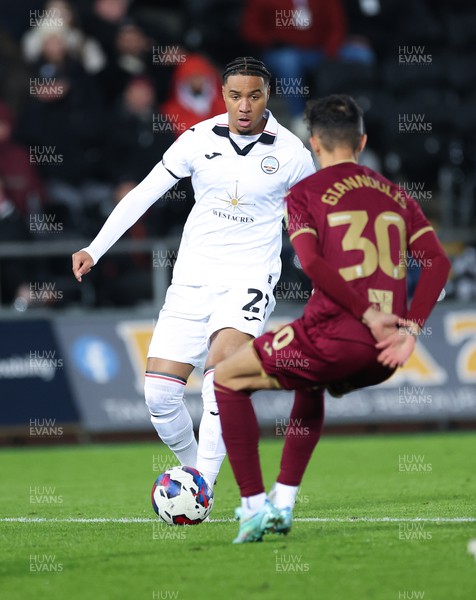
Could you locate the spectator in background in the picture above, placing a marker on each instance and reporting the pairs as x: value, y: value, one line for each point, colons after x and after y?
x: 63, y: 125
x: 84, y: 49
x: 195, y: 94
x: 102, y: 21
x: 133, y: 57
x: 21, y: 181
x: 371, y: 21
x: 20, y: 276
x: 294, y: 36
x: 137, y: 137
x: 210, y: 27
x: 134, y: 143
x: 14, y: 73
x: 15, y: 273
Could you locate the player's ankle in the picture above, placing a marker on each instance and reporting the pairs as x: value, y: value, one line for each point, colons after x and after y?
x: 283, y: 495
x: 250, y: 505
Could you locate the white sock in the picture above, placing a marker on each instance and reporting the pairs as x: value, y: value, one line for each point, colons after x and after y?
x: 252, y: 504
x: 284, y: 496
x: 172, y: 421
x: 211, y: 447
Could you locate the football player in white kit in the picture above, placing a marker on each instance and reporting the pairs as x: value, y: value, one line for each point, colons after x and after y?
x: 241, y: 163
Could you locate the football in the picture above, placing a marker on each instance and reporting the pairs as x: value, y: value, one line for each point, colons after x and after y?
x: 182, y: 496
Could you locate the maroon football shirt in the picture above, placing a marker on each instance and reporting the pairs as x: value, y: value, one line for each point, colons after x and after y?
x: 365, y: 225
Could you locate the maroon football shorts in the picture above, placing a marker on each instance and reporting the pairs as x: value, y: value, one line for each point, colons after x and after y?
x: 299, y: 363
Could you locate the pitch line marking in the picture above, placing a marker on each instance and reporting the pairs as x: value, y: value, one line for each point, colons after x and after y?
x: 297, y: 520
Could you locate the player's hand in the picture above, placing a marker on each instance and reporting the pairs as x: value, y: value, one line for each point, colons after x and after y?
x: 381, y: 324
x: 82, y: 264
x: 397, y: 348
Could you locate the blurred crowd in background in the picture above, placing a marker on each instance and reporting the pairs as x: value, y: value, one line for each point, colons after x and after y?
x: 93, y: 92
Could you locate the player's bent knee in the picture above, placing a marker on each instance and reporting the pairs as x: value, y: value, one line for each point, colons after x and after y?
x: 237, y: 384
x: 220, y: 376
x: 163, y: 396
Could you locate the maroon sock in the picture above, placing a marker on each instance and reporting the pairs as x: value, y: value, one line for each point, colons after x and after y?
x: 302, y: 434
x: 241, y: 437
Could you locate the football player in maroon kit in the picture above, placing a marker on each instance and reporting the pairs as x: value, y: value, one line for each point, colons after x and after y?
x: 345, y: 219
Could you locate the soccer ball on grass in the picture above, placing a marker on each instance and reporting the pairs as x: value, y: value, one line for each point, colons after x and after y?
x: 182, y: 496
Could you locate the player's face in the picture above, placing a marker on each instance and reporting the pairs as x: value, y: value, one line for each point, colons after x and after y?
x: 245, y: 98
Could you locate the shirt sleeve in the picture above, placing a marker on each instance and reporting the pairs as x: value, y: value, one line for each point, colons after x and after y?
x: 302, y: 167
x: 434, y: 264
x: 130, y: 209
x: 296, y: 214
x: 177, y: 158
x: 417, y: 223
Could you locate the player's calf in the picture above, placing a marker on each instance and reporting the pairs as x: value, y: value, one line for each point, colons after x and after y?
x: 164, y: 398
x: 211, y: 447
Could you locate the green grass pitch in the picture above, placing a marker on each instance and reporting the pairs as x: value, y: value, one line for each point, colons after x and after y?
x: 355, y: 536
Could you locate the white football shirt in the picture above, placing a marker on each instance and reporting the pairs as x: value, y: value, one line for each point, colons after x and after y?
x: 233, y: 232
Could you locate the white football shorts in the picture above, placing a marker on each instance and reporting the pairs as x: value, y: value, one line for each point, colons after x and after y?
x: 192, y: 314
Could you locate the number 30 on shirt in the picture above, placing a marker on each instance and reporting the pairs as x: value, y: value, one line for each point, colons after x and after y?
x: 374, y: 254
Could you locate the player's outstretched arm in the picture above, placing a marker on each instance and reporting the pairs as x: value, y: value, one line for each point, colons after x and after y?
x: 130, y: 209
x: 82, y: 264
x: 136, y: 202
